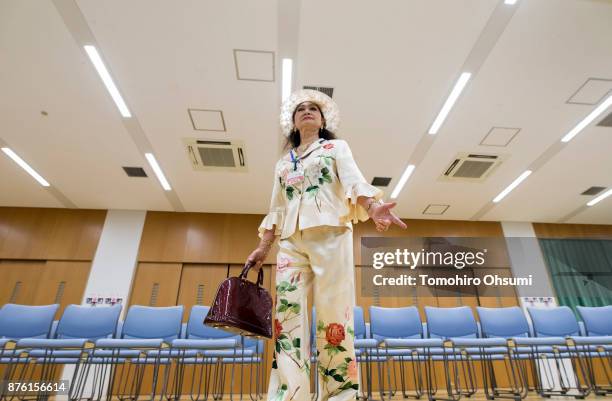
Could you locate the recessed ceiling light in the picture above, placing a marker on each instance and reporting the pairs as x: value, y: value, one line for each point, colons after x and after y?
x: 510, y: 2
x: 448, y: 105
x: 287, y: 77
x: 588, y: 119
x: 95, y: 58
x: 158, y: 171
x: 400, y: 185
x: 510, y: 187
x: 600, y: 197
x: 9, y: 152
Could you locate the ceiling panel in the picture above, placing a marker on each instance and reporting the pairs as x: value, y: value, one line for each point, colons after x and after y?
x: 391, y: 65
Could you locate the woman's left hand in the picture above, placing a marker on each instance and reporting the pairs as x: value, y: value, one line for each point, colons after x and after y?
x: 382, y: 216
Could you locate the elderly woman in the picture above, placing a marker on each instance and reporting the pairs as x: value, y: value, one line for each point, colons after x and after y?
x: 318, y: 192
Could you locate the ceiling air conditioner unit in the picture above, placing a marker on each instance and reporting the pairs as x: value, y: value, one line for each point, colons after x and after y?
x: 216, y: 155
x: 471, y: 167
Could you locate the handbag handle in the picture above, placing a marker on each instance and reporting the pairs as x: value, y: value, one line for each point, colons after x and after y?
x: 245, y: 272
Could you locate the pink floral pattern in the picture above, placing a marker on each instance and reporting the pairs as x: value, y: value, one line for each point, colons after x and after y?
x: 283, y: 263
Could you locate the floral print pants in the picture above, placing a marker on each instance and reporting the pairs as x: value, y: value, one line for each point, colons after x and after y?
x: 322, y: 256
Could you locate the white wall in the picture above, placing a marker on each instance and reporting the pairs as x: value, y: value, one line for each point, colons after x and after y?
x: 526, y: 258
x: 116, y: 257
x: 115, y: 261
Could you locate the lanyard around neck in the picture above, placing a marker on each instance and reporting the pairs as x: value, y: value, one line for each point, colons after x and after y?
x: 295, y: 159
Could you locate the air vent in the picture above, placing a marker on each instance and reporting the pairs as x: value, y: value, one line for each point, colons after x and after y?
x: 154, y: 294
x: 200, y: 295
x: 593, y: 191
x: 216, y: 155
x: 606, y: 122
x: 15, y: 293
x: 60, y: 292
x: 328, y: 91
x: 471, y: 167
x: 381, y: 181
x: 135, y: 171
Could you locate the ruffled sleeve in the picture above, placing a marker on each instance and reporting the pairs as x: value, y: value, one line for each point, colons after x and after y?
x: 354, y: 184
x: 276, y: 216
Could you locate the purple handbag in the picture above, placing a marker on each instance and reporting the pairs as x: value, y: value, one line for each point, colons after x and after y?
x: 242, y: 307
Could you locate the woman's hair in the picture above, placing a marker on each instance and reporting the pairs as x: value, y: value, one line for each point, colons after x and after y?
x: 293, y: 140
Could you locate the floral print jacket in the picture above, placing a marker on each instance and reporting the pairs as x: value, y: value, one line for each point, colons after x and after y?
x: 319, y: 188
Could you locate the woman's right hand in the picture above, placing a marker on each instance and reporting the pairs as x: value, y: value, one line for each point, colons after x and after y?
x: 257, y: 257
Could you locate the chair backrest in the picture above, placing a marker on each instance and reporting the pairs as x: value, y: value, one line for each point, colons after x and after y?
x: 88, y: 322
x: 402, y: 322
x: 197, y: 329
x: 26, y: 321
x: 450, y: 322
x: 597, y: 319
x: 503, y: 322
x: 550, y: 322
x: 359, y: 322
x: 153, y: 322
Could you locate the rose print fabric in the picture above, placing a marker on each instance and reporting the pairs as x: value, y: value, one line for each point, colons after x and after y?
x: 319, y: 188
x: 321, y: 257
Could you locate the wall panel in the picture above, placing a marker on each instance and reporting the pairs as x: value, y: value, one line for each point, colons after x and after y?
x: 549, y: 230
x: 20, y: 280
x: 61, y: 234
x: 199, y: 237
x: 62, y: 282
x: 156, y: 284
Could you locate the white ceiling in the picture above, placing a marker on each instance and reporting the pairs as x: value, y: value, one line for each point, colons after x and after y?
x: 391, y: 64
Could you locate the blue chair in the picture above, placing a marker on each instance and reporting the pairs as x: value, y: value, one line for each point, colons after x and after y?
x: 597, y: 320
x: 207, y: 350
x: 554, y: 322
x: 88, y: 322
x: 452, y: 325
x: 73, y: 340
x: 18, y: 322
x: 552, y: 327
x: 146, y: 322
x: 598, y: 328
x: 144, y: 340
x: 448, y: 323
x: 504, y: 324
x: 26, y: 321
x: 388, y: 325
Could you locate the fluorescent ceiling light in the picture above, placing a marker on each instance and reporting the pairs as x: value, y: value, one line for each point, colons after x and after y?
x: 108, y: 81
x: 287, y: 76
x: 510, y: 2
x: 402, y: 181
x: 600, y: 197
x: 158, y: 171
x: 510, y: 187
x: 448, y: 105
x: 587, y: 120
x: 9, y: 152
